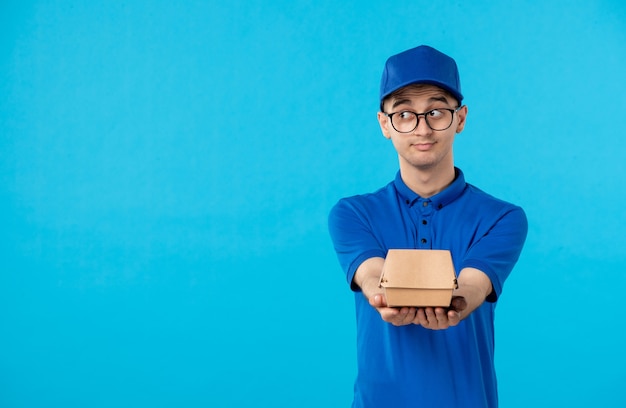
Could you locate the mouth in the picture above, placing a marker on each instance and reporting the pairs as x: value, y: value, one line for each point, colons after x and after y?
x: 423, y: 146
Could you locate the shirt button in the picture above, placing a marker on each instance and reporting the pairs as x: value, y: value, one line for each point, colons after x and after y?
x: 424, y: 240
x: 425, y: 204
x: 424, y: 222
x: 407, y: 201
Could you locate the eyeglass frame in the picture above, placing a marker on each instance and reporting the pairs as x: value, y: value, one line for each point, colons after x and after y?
x: 417, y: 117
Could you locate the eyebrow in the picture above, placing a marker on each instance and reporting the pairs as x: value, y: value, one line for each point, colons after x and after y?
x: 430, y: 100
x: 400, y: 102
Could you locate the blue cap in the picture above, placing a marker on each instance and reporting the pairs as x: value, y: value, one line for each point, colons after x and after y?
x: 420, y: 65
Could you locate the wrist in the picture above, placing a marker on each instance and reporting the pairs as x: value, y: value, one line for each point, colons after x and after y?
x: 367, y: 276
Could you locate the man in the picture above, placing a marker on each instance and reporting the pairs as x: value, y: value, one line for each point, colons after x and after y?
x: 426, y: 357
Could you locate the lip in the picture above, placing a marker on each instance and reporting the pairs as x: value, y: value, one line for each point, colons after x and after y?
x: 423, y: 146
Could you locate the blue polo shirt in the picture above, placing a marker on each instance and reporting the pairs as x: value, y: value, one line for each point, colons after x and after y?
x: 410, y: 366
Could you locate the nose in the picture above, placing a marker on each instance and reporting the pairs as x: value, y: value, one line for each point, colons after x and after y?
x: 422, y: 127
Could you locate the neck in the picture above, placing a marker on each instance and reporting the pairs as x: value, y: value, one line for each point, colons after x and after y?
x: 427, y: 182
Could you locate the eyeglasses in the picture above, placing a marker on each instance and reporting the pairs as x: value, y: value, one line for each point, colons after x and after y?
x: 408, y: 121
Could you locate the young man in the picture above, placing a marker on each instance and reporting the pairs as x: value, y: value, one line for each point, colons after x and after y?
x: 426, y: 357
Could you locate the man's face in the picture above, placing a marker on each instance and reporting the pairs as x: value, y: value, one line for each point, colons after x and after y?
x: 423, y: 148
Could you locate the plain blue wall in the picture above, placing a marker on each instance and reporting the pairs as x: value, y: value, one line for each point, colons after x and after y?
x: 166, y: 171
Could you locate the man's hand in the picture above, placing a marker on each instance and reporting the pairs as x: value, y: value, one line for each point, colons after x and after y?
x: 434, y: 318
x: 474, y: 286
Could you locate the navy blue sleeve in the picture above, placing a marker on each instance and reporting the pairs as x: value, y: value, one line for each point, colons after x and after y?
x: 352, y: 238
x: 496, y: 252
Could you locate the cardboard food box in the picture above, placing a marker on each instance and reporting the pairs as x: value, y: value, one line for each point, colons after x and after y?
x: 418, y: 277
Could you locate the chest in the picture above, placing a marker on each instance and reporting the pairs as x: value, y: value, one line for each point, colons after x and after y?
x: 424, y: 226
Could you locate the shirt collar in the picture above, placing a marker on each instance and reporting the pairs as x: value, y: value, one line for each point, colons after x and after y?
x: 439, y: 200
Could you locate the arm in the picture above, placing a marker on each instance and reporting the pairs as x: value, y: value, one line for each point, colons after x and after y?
x: 474, y: 286
x: 483, y: 269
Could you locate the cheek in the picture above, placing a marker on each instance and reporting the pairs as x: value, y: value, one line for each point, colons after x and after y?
x: 403, y: 146
x: 449, y: 138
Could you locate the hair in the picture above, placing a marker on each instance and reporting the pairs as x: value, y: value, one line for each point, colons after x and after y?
x: 400, y: 92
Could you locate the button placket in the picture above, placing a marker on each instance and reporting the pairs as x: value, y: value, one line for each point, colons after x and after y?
x: 424, y: 231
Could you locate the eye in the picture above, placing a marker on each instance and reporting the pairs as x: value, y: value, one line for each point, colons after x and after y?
x: 406, y: 115
x: 436, y: 114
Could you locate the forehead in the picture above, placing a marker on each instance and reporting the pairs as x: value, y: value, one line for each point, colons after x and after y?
x: 419, y: 92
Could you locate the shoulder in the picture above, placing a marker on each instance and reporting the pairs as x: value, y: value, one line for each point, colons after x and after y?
x: 487, y: 205
x: 478, y: 196
x: 364, y: 202
x: 363, y: 210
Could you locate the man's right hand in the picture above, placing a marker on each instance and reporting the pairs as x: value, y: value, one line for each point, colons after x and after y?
x: 398, y: 316
x: 367, y: 277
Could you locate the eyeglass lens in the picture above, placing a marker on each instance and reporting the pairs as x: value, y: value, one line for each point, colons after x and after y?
x: 407, y: 121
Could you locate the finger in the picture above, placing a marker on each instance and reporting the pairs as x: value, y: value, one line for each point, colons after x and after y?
x: 409, y: 317
x: 405, y: 316
x: 388, y: 314
x: 378, y: 301
x: 399, y: 318
x: 437, y: 318
x: 440, y: 319
x: 454, y: 317
x: 441, y: 316
x: 431, y: 317
x: 416, y: 317
x: 421, y: 317
x: 458, y: 303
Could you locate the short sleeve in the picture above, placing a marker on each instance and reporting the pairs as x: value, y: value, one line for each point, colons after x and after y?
x: 353, y: 238
x: 496, y: 252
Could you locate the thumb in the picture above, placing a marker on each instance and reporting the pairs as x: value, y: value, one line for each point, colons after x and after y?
x: 458, y: 303
x: 378, y: 300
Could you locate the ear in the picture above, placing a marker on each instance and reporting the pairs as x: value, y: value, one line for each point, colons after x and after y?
x: 384, y: 123
x: 462, y: 115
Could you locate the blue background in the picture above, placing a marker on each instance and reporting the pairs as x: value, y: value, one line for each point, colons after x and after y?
x: 166, y: 171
